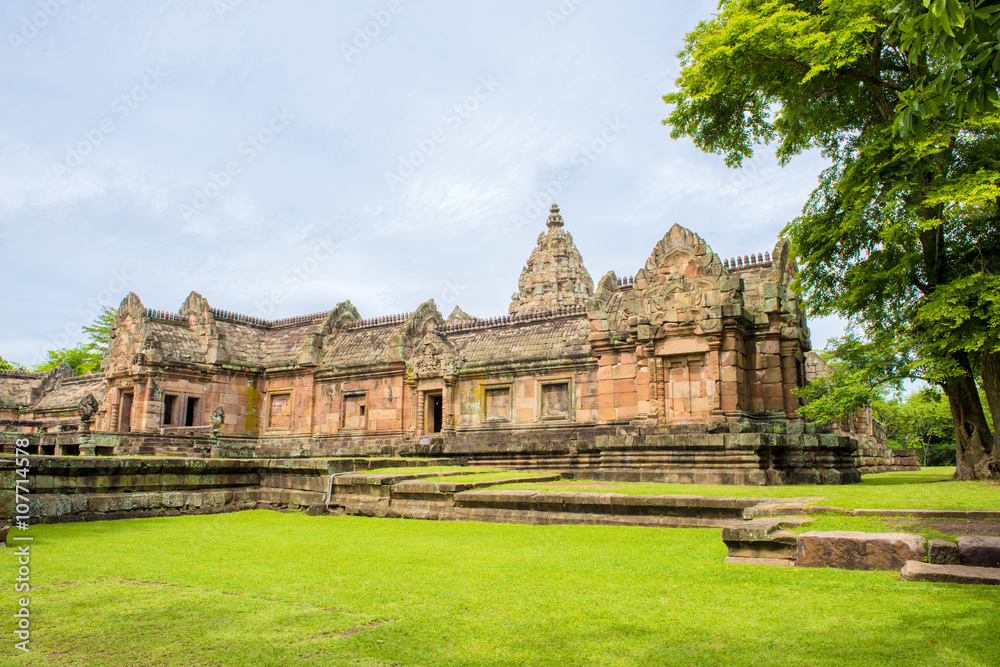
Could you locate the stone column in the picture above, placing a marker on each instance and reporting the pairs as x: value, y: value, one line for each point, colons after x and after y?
x: 447, y: 396
x: 411, y: 429
x: 115, y: 396
x: 789, y: 376
x: 655, y: 410
x: 151, y: 412
x: 713, y: 380
x: 663, y: 383
x: 421, y: 400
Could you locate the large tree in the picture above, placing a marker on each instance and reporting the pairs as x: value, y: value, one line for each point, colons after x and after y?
x: 902, y: 235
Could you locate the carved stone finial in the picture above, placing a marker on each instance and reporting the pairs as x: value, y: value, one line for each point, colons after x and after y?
x: 555, y: 220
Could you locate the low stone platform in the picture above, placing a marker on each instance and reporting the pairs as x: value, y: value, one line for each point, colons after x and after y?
x: 915, y: 570
x: 429, y: 496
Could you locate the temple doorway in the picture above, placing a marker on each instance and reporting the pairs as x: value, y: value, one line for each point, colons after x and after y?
x: 434, y: 412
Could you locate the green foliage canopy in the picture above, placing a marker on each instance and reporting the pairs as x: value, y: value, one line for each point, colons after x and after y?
x: 901, y: 236
x: 87, y: 356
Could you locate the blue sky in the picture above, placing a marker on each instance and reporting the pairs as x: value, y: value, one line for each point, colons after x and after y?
x: 281, y: 157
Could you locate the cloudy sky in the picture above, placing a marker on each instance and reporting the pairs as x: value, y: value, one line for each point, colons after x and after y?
x: 281, y: 157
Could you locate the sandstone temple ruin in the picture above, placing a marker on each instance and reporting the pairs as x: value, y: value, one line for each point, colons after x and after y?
x: 683, y: 372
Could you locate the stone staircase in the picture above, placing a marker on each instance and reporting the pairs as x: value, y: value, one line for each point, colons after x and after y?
x: 972, y: 559
x: 431, y: 496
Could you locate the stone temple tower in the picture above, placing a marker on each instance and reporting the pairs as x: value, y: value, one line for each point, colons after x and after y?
x: 555, y: 275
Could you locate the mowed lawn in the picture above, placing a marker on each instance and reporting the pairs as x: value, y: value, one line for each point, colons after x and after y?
x: 268, y: 588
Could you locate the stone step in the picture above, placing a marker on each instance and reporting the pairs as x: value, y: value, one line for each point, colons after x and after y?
x: 704, y: 507
x: 915, y: 570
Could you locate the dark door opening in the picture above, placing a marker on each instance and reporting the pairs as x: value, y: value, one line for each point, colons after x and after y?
x: 191, y: 414
x: 125, y: 413
x: 437, y: 416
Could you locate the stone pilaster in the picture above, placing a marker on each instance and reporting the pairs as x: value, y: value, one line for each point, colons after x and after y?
x: 447, y: 398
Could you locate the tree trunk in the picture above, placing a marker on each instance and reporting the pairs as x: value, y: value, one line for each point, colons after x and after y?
x: 977, y: 457
x: 991, y: 386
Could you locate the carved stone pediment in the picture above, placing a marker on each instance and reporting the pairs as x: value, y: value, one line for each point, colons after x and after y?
x: 682, y: 283
x: 432, y: 357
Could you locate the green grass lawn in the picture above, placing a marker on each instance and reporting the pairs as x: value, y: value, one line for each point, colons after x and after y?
x: 501, y: 475
x: 269, y: 588
x: 415, y: 470
x: 929, y: 488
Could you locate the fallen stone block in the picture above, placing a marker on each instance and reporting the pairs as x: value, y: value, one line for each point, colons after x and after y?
x: 943, y: 552
x: 956, y: 574
x: 980, y: 551
x: 852, y: 550
x: 779, y: 544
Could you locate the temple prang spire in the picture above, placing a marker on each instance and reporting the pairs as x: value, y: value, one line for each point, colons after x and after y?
x: 554, y: 275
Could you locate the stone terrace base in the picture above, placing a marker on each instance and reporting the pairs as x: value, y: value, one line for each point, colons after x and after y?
x: 871, y: 459
x: 86, y: 488
x: 750, y: 453
x: 71, y: 488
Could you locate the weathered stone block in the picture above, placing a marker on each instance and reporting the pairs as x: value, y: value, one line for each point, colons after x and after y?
x: 99, y: 502
x: 173, y: 499
x: 78, y: 503
x: 140, y: 500
x: 120, y: 502
x: 943, y: 552
x: 215, y: 498
x: 980, y: 551
x: 851, y: 550
x: 957, y: 574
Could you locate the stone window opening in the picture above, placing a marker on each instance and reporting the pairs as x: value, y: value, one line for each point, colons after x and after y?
x: 169, y: 407
x: 496, y: 404
x: 192, y: 416
x: 554, y: 400
x: 355, y: 412
x: 279, y: 413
